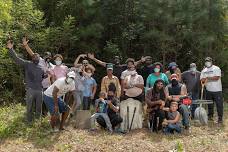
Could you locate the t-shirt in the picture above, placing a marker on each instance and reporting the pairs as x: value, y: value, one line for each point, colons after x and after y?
x: 102, y: 106
x: 88, y: 84
x: 145, y: 71
x: 152, y: 78
x: 211, y: 85
x: 59, y: 71
x: 111, y: 112
x: 62, y: 86
x: 79, y: 86
x: 191, y: 80
x: 47, y: 68
x: 172, y: 116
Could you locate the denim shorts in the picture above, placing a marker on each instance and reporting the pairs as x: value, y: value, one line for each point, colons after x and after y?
x: 49, y: 102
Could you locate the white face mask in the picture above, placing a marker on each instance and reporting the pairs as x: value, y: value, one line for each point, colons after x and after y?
x: 208, y: 64
x: 193, y: 69
x: 69, y: 80
x: 132, y: 72
x: 58, y: 62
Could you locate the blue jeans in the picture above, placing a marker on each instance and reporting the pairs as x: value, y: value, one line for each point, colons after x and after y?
x: 86, y: 103
x: 194, y: 97
x: 183, y: 109
x: 170, y: 128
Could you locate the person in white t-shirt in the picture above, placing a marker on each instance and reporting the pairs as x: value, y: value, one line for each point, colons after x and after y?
x: 211, y: 77
x: 54, y: 102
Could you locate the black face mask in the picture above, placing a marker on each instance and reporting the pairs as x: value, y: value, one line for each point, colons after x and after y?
x: 35, y: 61
x: 110, y: 97
x: 174, y: 82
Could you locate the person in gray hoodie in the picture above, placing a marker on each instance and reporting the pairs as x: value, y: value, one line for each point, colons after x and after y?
x: 34, y: 75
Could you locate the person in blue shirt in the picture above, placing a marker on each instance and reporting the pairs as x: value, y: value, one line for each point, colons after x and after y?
x: 157, y: 74
x: 90, y: 87
x: 101, y: 110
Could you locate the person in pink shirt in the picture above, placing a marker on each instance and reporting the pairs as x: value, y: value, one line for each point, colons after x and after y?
x: 59, y: 70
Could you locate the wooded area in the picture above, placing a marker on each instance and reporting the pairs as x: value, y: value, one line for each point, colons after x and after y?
x: 184, y: 31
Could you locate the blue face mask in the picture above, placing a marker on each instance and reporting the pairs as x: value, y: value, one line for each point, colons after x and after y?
x: 156, y: 70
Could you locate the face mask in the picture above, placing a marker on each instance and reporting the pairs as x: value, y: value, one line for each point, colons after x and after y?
x: 156, y: 70
x: 69, y: 80
x: 110, y: 97
x: 193, y: 69
x: 174, y: 82
x: 35, y: 61
x: 132, y: 72
x: 57, y: 62
x: 208, y: 64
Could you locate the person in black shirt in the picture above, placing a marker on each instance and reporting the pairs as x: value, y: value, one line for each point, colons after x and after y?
x: 146, y: 69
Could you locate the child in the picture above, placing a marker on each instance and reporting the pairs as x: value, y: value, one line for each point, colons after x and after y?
x: 173, y: 119
x: 101, y: 110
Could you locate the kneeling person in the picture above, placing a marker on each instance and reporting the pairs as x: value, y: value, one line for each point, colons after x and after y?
x: 113, y: 108
x: 53, y: 98
x: 101, y: 111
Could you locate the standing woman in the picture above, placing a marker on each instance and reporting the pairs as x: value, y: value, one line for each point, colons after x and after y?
x: 60, y: 70
x: 157, y: 74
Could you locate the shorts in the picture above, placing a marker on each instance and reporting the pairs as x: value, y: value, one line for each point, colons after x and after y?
x: 49, y: 102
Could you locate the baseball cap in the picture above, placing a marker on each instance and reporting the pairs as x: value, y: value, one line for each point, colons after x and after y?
x: 172, y: 64
x: 174, y: 76
x: 208, y: 59
x: 109, y: 67
x: 71, y: 74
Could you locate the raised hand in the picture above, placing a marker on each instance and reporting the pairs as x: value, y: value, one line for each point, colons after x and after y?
x: 9, y: 44
x: 83, y: 55
x: 24, y: 41
x: 91, y: 56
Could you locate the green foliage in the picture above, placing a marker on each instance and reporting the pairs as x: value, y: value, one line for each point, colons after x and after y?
x: 183, y: 31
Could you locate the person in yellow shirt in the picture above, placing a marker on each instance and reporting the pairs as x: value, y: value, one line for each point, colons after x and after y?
x: 110, y: 78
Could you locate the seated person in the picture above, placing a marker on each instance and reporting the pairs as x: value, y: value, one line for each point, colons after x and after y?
x: 174, y: 92
x: 172, y: 123
x: 101, y: 106
x: 155, y: 100
x: 113, y: 109
x: 133, y: 86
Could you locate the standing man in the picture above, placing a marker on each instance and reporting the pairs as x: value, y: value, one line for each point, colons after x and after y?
x: 110, y: 78
x: 53, y: 98
x: 191, y: 79
x: 147, y: 69
x: 34, y: 75
x: 211, y: 77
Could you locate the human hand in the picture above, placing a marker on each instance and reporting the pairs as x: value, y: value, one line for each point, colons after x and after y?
x: 9, y: 44
x: 91, y: 56
x: 162, y: 104
x: 92, y: 97
x: 25, y: 41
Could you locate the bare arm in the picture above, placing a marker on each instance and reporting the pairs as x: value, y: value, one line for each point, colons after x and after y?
x: 177, y: 118
x: 26, y: 46
x: 114, y: 108
x: 78, y: 58
x: 91, y: 56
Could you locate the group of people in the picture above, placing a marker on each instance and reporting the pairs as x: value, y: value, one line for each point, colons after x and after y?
x: 124, y: 90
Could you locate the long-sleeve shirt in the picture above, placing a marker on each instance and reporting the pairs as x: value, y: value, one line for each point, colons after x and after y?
x: 34, y: 74
x: 106, y: 81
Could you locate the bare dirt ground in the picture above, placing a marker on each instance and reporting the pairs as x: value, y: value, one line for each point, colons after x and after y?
x: 211, y: 138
